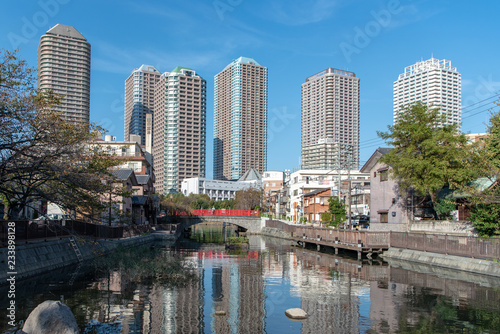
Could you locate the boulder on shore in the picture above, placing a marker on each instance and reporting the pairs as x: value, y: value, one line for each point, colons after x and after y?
x: 51, y: 317
x: 296, y: 313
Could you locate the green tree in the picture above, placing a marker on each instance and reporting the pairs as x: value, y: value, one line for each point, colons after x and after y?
x: 200, y: 201
x: 428, y: 154
x: 443, y: 208
x: 43, y: 157
x: 485, y: 213
x: 337, y: 211
x: 326, y: 217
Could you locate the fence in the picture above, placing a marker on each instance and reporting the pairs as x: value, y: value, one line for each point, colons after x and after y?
x: 367, y: 239
x: 351, y: 237
x: 28, y: 230
x: 482, y: 248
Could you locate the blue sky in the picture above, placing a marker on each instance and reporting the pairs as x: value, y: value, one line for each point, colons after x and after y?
x: 293, y: 38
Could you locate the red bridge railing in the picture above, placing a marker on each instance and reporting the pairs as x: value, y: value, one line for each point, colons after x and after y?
x: 225, y: 212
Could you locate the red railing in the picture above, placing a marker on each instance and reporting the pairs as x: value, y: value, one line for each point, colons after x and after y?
x: 225, y: 212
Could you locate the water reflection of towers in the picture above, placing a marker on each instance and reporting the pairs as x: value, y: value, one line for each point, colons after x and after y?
x: 238, y: 291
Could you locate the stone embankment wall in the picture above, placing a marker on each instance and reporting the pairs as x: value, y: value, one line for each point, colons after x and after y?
x: 428, y: 226
x: 274, y: 232
x: 477, y: 266
x: 35, y: 258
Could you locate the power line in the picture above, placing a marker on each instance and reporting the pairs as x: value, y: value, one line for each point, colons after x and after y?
x: 470, y: 105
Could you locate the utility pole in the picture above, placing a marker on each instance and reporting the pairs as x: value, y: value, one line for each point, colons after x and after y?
x: 339, y: 166
x: 349, y: 190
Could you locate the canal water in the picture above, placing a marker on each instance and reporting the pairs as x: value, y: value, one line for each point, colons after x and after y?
x: 248, y: 291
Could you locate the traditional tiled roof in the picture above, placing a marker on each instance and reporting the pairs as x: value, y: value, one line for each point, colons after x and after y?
x: 142, y: 179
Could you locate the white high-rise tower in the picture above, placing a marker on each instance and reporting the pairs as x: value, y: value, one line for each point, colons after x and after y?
x: 435, y: 83
x: 180, y: 128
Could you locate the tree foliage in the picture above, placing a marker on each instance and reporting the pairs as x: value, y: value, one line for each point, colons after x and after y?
x: 248, y: 199
x: 337, y: 210
x: 43, y: 157
x: 485, y: 214
x: 326, y: 217
x: 427, y: 153
x: 180, y: 203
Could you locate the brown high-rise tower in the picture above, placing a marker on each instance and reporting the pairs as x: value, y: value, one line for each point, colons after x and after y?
x: 64, y: 68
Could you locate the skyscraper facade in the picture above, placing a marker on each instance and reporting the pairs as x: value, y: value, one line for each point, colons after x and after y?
x: 64, y: 68
x: 330, y: 120
x: 139, y: 100
x: 240, y: 119
x: 179, y: 127
x: 435, y: 83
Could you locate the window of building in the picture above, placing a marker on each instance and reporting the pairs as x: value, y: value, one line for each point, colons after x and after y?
x: 384, y: 175
x: 384, y: 217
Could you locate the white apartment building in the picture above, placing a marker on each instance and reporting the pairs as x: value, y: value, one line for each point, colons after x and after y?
x: 217, y: 190
x: 131, y: 153
x: 180, y: 118
x: 64, y: 68
x: 435, y: 83
x: 330, y: 120
x: 306, y: 180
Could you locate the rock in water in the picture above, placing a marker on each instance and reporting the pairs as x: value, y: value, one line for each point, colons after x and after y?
x: 296, y: 313
x: 51, y: 317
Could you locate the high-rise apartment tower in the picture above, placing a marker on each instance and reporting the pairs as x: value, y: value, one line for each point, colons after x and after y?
x: 64, y: 68
x: 240, y: 119
x: 330, y: 120
x: 139, y: 100
x: 435, y: 83
x: 180, y: 116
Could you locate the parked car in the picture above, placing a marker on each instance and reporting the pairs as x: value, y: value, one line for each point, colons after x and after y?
x: 360, y: 221
x: 44, y: 219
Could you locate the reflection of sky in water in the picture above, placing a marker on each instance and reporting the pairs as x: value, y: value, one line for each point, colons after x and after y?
x: 278, y: 300
x: 364, y: 310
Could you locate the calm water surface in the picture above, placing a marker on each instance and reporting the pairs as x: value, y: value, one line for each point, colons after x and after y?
x: 249, y: 291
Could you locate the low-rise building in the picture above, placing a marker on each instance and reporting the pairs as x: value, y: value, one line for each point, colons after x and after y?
x: 388, y: 207
x: 133, y: 158
x: 316, y: 203
x: 219, y: 190
x: 304, y: 181
x: 273, y: 182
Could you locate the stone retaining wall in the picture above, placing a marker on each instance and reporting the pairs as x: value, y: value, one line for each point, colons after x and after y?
x: 477, y: 266
x: 35, y: 258
x: 274, y: 232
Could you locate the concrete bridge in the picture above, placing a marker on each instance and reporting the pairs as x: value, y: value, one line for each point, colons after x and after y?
x: 250, y: 224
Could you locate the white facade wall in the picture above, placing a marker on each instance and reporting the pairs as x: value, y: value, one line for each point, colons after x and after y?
x: 217, y: 190
x: 303, y: 181
x: 435, y: 83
